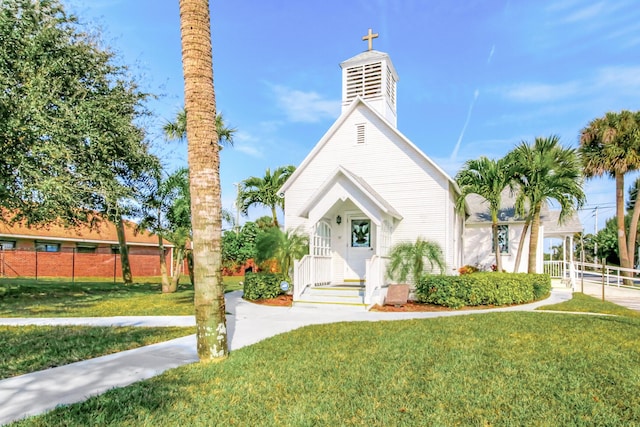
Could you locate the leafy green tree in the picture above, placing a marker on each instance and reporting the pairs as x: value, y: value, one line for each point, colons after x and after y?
x: 264, y: 191
x: 611, y: 145
x: 607, y: 241
x: 407, y: 260
x: 544, y: 171
x: 68, y: 116
x: 282, y: 246
x: 238, y: 248
x: 264, y: 222
x: 487, y: 178
x: 204, y: 179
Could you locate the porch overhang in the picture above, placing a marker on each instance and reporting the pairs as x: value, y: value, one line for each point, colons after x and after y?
x: 342, y: 185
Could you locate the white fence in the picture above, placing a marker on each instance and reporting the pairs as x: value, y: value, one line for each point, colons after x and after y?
x: 310, y: 271
x: 575, y: 272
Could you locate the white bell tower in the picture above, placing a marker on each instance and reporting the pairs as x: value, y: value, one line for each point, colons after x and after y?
x: 371, y: 76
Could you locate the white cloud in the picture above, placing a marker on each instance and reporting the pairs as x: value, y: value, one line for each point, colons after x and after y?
x: 541, y: 92
x: 249, y: 150
x: 618, y: 81
x: 587, y: 13
x: 246, y: 143
x: 305, y: 107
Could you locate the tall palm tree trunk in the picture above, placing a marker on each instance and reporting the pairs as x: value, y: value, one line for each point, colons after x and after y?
x: 533, y: 240
x: 127, y: 277
x: 163, y: 266
x: 275, y: 216
x: 178, y: 262
x: 633, y: 232
x: 523, y: 236
x: 204, y: 174
x: 622, y: 235
x: 496, y: 245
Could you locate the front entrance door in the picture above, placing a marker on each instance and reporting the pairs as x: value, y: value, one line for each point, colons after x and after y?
x: 359, y: 247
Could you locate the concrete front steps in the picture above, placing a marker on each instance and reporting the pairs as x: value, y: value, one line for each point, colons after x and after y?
x: 342, y: 295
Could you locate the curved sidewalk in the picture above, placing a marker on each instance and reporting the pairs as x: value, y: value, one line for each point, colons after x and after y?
x: 248, y: 323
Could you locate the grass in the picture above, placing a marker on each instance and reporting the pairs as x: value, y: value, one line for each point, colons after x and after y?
x: 58, y: 298
x: 32, y: 348
x: 587, y: 304
x: 485, y: 369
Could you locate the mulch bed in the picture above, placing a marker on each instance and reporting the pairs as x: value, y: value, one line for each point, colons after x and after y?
x: 279, y: 301
x: 411, y: 306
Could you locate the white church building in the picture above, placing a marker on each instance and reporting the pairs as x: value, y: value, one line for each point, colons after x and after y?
x: 365, y: 187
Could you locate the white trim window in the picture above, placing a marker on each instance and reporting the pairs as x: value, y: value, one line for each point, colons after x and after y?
x: 47, y: 247
x: 7, y: 245
x: 322, y: 239
x: 503, y: 239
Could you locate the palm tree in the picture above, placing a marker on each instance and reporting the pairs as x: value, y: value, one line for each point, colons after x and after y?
x: 283, y: 246
x: 545, y: 171
x: 177, y: 129
x: 407, y: 260
x: 264, y: 191
x: 160, y: 210
x: 204, y: 179
x: 611, y: 145
x: 487, y: 178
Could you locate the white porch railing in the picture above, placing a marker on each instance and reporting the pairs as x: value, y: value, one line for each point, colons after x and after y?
x: 590, y: 272
x: 310, y: 271
x: 376, y: 267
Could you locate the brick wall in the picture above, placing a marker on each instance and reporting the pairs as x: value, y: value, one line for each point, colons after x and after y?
x: 23, y: 263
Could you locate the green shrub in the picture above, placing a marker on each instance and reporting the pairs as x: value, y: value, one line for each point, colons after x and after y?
x: 262, y: 285
x: 482, y: 289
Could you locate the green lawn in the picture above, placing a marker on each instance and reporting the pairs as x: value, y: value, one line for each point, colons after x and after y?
x: 584, y: 303
x: 481, y: 369
x: 57, y: 298
x: 32, y: 348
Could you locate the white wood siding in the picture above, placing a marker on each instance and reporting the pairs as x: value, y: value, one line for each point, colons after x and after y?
x: 479, y: 253
x: 417, y: 190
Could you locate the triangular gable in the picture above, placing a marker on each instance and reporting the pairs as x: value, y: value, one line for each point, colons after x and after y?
x: 367, y: 195
x: 336, y: 125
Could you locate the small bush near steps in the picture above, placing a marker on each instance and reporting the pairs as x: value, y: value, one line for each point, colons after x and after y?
x: 262, y: 285
x: 482, y: 289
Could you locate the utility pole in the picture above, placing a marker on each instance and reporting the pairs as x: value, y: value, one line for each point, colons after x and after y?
x: 237, y: 204
x: 595, y: 233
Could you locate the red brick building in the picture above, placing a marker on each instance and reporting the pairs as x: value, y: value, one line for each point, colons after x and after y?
x: 55, y: 251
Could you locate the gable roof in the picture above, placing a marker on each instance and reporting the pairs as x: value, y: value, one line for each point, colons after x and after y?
x: 358, y: 182
x: 336, y: 125
x: 478, y: 210
x: 105, y: 232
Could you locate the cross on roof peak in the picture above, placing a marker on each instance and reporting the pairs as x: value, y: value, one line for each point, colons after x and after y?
x: 370, y: 38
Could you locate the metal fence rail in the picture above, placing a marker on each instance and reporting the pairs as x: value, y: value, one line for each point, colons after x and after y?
x: 575, y: 272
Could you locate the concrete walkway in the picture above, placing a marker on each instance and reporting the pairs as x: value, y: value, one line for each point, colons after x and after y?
x: 625, y: 297
x: 247, y: 324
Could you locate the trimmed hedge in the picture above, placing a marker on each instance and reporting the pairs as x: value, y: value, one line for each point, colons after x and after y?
x: 482, y: 289
x: 262, y: 285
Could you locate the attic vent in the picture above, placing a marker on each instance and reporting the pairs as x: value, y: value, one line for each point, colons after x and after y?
x: 360, y: 134
x: 364, y: 80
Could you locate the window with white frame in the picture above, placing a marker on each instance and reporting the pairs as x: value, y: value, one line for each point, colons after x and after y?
x: 322, y: 239
x: 503, y: 239
x: 47, y: 247
x: 6, y: 245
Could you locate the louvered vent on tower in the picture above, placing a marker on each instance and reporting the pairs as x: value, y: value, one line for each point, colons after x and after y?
x: 364, y: 80
x: 391, y: 87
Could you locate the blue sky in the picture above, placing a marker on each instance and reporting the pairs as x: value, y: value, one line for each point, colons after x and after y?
x: 476, y: 77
